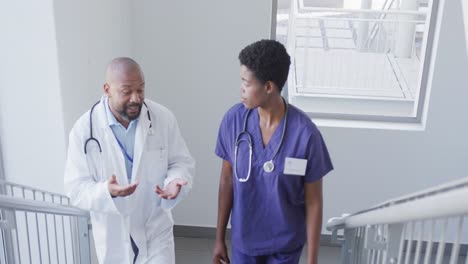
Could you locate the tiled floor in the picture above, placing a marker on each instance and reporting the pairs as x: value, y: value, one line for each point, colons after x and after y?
x: 198, y: 251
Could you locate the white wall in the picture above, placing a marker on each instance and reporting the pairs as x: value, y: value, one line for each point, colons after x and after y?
x: 89, y: 34
x: 188, y: 50
x: 31, y: 119
x: 54, y: 56
x: 189, y: 53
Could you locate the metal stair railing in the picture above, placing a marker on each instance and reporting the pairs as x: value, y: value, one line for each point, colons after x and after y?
x: 37, y: 226
x: 424, y: 227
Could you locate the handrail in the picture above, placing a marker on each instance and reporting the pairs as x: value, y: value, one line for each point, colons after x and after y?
x: 29, y: 188
x: 359, y: 11
x: 34, y: 227
x: 417, y: 206
x: 376, y: 27
x: 309, y: 15
x: 19, y: 204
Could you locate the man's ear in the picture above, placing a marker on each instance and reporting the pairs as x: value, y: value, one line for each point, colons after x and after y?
x: 106, y: 88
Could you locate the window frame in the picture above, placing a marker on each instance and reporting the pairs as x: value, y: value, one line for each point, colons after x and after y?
x: 430, y: 43
x: 2, y: 171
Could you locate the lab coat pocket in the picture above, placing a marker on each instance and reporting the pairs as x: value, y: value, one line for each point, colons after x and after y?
x: 156, y: 158
x: 157, y: 148
x: 153, y: 142
x: 156, y: 144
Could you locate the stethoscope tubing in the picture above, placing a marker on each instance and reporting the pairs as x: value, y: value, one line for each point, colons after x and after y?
x: 249, y: 142
x: 91, y: 138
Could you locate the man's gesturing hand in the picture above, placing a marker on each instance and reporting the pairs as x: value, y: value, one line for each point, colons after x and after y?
x: 120, y: 190
x: 172, y: 189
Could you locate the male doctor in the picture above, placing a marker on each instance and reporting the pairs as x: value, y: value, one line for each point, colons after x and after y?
x: 129, y: 166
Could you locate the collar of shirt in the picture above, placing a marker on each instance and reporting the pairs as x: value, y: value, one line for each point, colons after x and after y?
x: 114, y: 122
x: 125, y: 137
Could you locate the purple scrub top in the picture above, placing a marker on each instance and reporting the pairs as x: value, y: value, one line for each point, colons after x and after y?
x: 268, y: 214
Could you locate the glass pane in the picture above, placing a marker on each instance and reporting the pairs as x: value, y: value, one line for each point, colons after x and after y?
x: 370, y: 50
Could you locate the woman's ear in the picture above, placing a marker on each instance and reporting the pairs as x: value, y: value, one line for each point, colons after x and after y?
x: 270, y: 87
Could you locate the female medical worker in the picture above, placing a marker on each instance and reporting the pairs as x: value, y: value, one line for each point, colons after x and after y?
x: 274, y: 159
x: 119, y: 153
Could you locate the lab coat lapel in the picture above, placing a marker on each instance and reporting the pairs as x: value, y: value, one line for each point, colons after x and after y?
x: 108, y: 139
x: 143, y: 127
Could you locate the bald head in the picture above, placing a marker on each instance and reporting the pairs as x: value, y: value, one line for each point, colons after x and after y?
x: 124, y: 87
x: 122, y: 66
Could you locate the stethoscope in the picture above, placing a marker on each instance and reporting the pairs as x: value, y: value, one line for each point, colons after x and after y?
x: 91, y: 138
x: 268, y: 166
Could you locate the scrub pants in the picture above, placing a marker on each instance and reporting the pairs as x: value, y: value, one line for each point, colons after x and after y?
x: 277, y: 258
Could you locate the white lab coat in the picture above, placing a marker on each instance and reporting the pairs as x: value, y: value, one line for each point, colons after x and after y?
x: 160, y: 156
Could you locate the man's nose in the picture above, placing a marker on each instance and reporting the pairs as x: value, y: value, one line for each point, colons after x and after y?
x: 136, y: 98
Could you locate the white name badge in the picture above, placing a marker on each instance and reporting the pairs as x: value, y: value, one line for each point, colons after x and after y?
x: 295, y: 166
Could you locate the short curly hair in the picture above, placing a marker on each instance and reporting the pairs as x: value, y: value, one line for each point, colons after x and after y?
x: 268, y: 60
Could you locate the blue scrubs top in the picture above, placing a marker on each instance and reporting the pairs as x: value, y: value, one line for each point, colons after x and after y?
x: 268, y: 214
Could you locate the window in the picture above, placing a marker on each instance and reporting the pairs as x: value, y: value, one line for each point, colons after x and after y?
x: 358, y: 59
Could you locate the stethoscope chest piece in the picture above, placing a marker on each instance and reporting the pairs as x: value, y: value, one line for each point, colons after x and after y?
x: 269, y: 166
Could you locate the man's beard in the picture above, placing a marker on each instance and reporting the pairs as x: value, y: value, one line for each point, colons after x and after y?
x: 128, y: 118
